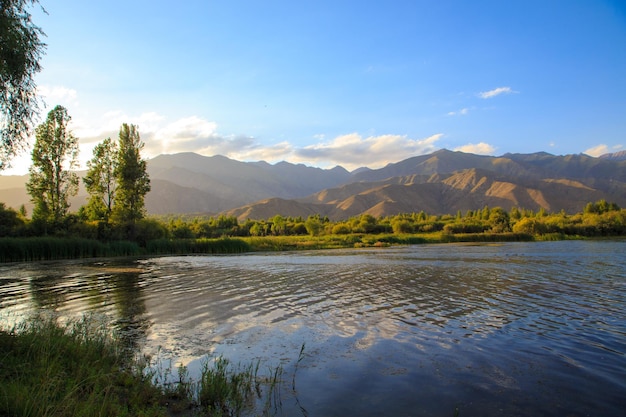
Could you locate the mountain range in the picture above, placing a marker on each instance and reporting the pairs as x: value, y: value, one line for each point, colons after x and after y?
x: 443, y: 182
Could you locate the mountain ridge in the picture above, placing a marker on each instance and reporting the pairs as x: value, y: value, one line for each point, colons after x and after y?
x: 442, y: 182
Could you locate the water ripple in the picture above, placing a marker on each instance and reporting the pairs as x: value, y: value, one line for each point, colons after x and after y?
x: 477, y: 318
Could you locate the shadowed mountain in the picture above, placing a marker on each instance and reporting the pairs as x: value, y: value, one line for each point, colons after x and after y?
x: 221, y: 183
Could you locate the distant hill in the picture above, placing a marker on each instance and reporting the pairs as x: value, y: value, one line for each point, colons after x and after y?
x: 438, y: 183
x: 221, y: 183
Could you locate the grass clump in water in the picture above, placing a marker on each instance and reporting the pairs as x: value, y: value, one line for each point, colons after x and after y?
x: 81, y: 369
x: 221, y: 391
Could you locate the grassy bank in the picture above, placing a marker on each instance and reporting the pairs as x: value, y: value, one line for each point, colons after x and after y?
x: 27, y: 249
x: 51, y: 248
x: 55, y: 248
x: 282, y: 243
x: 81, y: 369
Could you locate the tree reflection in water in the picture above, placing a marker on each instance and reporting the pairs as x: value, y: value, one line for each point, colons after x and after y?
x: 114, y: 292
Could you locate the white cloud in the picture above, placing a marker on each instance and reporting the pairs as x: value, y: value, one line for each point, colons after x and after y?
x: 496, y: 92
x: 480, y: 148
x: 353, y: 151
x: 602, y: 149
x: 53, y: 95
x: 196, y: 134
x: 350, y: 151
x: 189, y: 128
x: 597, y: 150
x: 461, y: 112
x: 274, y: 153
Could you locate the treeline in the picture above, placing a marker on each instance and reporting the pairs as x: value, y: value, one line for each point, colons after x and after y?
x: 596, y: 219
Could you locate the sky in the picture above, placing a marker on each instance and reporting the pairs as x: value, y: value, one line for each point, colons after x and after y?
x: 350, y: 83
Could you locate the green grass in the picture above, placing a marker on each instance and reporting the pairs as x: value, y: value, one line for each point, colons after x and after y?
x: 282, y: 243
x: 196, y: 246
x: 53, y: 248
x: 81, y: 369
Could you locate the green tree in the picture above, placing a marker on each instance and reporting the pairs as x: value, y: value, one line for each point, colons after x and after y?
x: 51, y: 180
x: 133, y: 182
x: 314, y: 225
x: 515, y: 214
x: 21, y: 49
x: 401, y: 226
x: 100, y: 180
x: 530, y: 225
x: 484, y: 214
x: 367, y: 224
x: 10, y: 221
x: 499, y: 220
x: 279, y: 225
x: 341, y: 229
x: 257, y: 229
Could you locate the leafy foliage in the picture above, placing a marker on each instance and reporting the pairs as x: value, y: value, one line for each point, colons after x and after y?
x: 100, y: 180
x: 21, y: 49
x: 133, y: 182
x: 52, y: 180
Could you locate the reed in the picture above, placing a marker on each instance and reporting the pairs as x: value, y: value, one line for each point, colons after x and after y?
x: 196, y: 246
x: 223, y: 389
x: 53, y: 248
x: 80, y: 368
x: 75, y: 369
x: 492, y: 237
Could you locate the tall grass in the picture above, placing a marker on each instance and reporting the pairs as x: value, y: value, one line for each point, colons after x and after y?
x: 81, y: 369
x: 53, y: 248
x: 72, y: 370
x: 488, y: 237
x: 193, y: 246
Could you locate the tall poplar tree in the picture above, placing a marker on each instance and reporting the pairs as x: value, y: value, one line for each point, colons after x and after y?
x: 54, y: 155
x: 133, y: 182
x: 100, y: 181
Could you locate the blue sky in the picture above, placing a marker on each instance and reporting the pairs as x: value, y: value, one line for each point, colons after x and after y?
x: 351, y: 83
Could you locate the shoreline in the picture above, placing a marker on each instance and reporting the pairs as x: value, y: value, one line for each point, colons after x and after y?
x: 33, y: 249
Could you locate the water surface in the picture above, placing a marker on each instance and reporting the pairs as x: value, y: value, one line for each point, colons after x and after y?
x: 509, y: 329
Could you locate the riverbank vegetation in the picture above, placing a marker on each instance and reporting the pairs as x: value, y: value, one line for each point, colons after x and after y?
x: 81, y: 368
x: 22, y: 239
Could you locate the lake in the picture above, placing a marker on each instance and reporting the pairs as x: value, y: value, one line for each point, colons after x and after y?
x: 514, y: 329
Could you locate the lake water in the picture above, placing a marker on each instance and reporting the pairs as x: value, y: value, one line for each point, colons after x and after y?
x: 515, y: 329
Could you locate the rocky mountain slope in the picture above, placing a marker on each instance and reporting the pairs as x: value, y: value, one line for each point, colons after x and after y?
x: 446, y: 182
